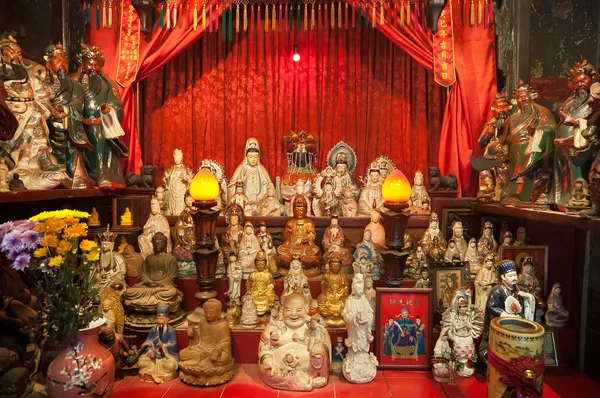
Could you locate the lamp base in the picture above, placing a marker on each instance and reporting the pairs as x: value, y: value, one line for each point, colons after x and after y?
x: 205, y: 295
x: 394, y: 267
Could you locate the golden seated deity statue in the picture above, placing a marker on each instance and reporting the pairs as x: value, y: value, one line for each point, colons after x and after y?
x: 334, y: 292
x: 261, y: 285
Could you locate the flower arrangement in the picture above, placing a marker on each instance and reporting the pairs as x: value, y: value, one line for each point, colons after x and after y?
x: 50, y: 247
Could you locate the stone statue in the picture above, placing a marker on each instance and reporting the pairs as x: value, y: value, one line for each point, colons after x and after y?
x: 261, y: 285
x: 485, y: 280
x: 269, y: 205
x: 292, y: 355
x: 209, y: 361
x: 325, y: 202
x: 377, y: 230
x: 28, y: 152
x: 240, y: 199
x: 529, y: 283
x: 418, y: 194
x: 102, y: 114
x: 248, y: 249
x: 234, y: 217
x: 133, y: 262
x: 67, y: 133
x: 349, y: 204
x: 295, y: 279
x: 423, y: 282
x: 156, y: 223
x: 160, y: 358
x: 360, y: 365
x: 302, y: 188
x: 112, y: 268
x: 415, y: 263
x: 335, y: 241
x: 473, y: 258
x: 579, y: 200
x: 126, y: 218
x: 334, y: 291
x: 16, y: 184
x: 342, y: 159
x: 185, y: 234
x: 158, y: 284
x: 461, y: 243
x: 265, y: 241
x: 370, y: 197
x: 376, y: 258
x: 234, y: 275
x: 433, y: 231
x: 4, y: 174
x: 254, y: 175
x: 299, y: 237
x: 556, y: 315
x: 464, y: 323
x: 443, y: 364
x: 521, y: 239
x: 487, y: 243
x: 177, y: 180
x: 249, y: 319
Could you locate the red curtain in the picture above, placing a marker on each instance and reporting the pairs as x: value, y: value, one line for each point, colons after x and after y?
x: 352, y: 85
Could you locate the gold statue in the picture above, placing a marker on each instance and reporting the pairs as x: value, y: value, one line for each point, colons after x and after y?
x: 299, y: 237
x: 261, y: 285
x: 334, y: 292
x: 113, y: 310
x: 122, y: 244
x: 94, y: 220
x: 126, y: 220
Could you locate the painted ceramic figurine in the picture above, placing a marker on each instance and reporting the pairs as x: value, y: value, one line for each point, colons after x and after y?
x: 443, y: 364
x: 458, y: 237
x: 528, y: 282
x: 156, y: 223
x: 301, y: 150
x: 473, y: 257
x: 360, y: 365
x: 209, y: 362
x: 334, y: 291
x: 234, y: 217
x: 248, y: 249
x: 452, y: 254
x: 370, y: 197
x: 160, y: 358
x: 377, y: 230
x: 507, y: 239
x: 269, y: 205
x: 521, y: 239
x: 375, y: 257
x: 423, y: 282
x: 218, y: 171
x: 326, y: 203
x: 339, y: 353
x: 295, y: 279
x: 485, y: 280
x: 177, y: 180
x: 464, y: 323
x: 261, y: 285
x: 253, y: 174
x: 505, y: 299
x: 111, y: 264
x: 361, y: 264
x: 299, y: 237
x: 265, y: 241
x: 370, y: 292
x: 126, y: 218
x: 349, y: 204
x: 418, y: 195
x: 234, y: 275
x: 556, y: 315
x: 240, y: 199
x: 487, y: 243
x: 185, y: 234
x: 295, y: 354
x: 433, y: 231
x: 579, y: 200
x: 302, y: 188
x: 248, y: 319
x: 342, y: 159
x: 335, y: 241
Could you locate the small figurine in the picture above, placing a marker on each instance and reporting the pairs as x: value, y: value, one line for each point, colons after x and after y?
x: 507, y: 239
x: 485, y: 280
x: 452, y: 254
x: 160, y: 356
x: 161, y: 196
x: 464, y: 323
x: 295, y: 279
x: 111, y: 267
x: 335, y: 241
x: 473, y: 258
x: 248, y: 249
x: 521, y: 239
x: 301, y: 150
x: 4, y: 174
x: 302, y: 188
x: 342, y: 159
x: 126, y: 220
x: 240, y: 199
x: 433, y: 231
x: 276, y: 311
x: 233, y: 314
x: 269, y: 205
x: 156, y: 223
x: 528, y: 282
x: 370, y: 197
x: 144, y: 180
x: 579, y: 199
x: 326, y: 203
x: 556, y: 315
x: 249, y: 319
x: 218, y: 171
x: 114, y: 342
x: 377, y: 230
x: 437, y: 182
x: 185, y: 238
x: 261, y: 285
x: 234, y: 274
x: 361, y: 265
x: 487, y: 243
x: 415, y: 262
x: 370, y: 292
x: 339, y: 353
x: 423, y: 282
x: 177, y: 180
x: 124, y: 243
x: 334, y: 291
x: 94, y: 219
x: 209, y: 362
x: 234, y: 217
x: 133, y: 262
x: 457, y: 236
x: 349, y: 205
x: 443, y: 364
x: 16, y: 184
x: 487, y: 188
x: 265, y: 240
x: 542, y: 203
x: 375, y: 258
x: 360, y: 365
x: 418, y: 194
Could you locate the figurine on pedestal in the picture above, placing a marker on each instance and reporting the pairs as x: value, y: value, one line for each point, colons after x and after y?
x: 326, y: 203
x: 487, y: 243
x: 464, y: 323
x: 177, y: 180
x: 240, y: 199
x: 302, y: 188
x: 485, y: 280
x: 370, y: 197
x: 4, y: 174
x: 473, y: 257
x: 209, y: 362
x: 521, y: 239
x: 299, y: 237
x: 253, y: 174
x: 249, y: 318
x: 265, y: 241
x: 457, y: 236
x: 579, y: 200
x: 423, y: 282
x: 360, y: 365
x: 261, y: 285
x: 94, y: 219
x: 418, y: 195
x: 133, y: 262
x: 156, y: 223
x: 295, y: 279
x: 342, y: 159
x: 529, y: 283
x: 234, y: 275
x: 334, y: 291
x: 160, y: 359
x: 443, y: 364
x: 349, y: 204
x: 126, y: 218
x: 248, y: 249
x: 433, y: 231
x: 556, y: 315
x: 112, y: 268
x: 335, y: 241
x: 185, y: 238
x: 375, y: 257
x: 234, y: 217
x: 377, y: 230
x: 269, y: 205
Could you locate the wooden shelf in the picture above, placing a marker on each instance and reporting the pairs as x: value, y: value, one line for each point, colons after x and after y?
x: 53, y: 194
x: 552, y: 217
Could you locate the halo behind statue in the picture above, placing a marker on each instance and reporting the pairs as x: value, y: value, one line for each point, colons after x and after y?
x: 219, y: 172
x: 236, y: 209
x: 361, y: 248
x: 342, y: 150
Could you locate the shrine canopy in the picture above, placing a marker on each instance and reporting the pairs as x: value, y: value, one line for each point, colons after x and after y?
x: 461, y: 54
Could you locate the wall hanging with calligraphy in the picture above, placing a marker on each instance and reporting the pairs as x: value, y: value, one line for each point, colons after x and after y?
x: 443, y: 49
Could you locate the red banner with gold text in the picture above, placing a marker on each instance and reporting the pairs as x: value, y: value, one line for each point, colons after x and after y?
x: 443, y: 49
x: 129, y: 45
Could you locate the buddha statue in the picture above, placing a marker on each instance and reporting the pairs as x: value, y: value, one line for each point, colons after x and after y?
x: 299, y: 237
x: 418, y: 194
x: 370, y: 197
x: 159, y: 358
x: 133, y: 262
x: 349, y: 204
x: 415, y: 263
x: 295, y: 279
x: 377, y: 230
x: 158, y: 283
x: 302, y: 188
x: 261, y: 285
x: 580, y: 197
x: 177, y: 180
x: 335, y: 241
x: 269, y: 205
x: 209, y: 361
x: 234, y: 217
x: 334, y: 291
x: 126, y: 218
x: 248, y: 249
x: 249, y: 318
x: 556, y: 315
x: 4, y: 174
x: 292, y: 355
x: 240, y: 199
x: 94, y: 219
x: 111, y: 264
x: 156, y: 223
x: 433, y: 230
x: 16, y: 184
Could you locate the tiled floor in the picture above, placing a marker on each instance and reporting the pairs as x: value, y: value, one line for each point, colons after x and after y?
x: 247, y: 384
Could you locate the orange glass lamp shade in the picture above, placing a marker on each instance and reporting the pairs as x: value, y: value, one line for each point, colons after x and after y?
x: 204, y: 186
x: 396, y: 188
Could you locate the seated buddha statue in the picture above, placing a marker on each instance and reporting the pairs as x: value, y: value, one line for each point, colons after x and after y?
x: 126, y: 218
x: 334, y: 292
x: 158, y: 283
x: 299, y: 237
x: 261, y: 285
x: 208, y: 361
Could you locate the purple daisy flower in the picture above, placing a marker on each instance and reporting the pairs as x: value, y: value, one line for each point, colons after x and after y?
x: 12, y: 242
x: 31, y: 239
x: 5, y: 228
x: 12, y: 254
x: 24, y: 226
x: 21, y: 262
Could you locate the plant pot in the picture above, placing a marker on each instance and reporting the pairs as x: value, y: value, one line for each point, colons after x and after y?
x: 84, y: 368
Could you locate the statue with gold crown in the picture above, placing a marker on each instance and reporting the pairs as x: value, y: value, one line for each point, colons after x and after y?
x: 253, y: 174
x: 301, y: 150
x: 370, y: 197
x: 334, y: 291
x: 28, y: 152
x: 299, y: 237
x: 112, y: 268
x: 261, y: 285
x: 342, y: 159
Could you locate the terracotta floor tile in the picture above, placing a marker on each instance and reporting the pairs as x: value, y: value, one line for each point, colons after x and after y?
x: 248, y: 390
x: 325, y: 392
x: 406, y: 374
x: 415, y: 387
x: 180, y: 389
x: 378, y: 388
x: 132, y: 387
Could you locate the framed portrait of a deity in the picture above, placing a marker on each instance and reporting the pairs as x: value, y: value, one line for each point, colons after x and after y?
x: 403, y: 328
x: 537, y: 254
x: 446, y: 280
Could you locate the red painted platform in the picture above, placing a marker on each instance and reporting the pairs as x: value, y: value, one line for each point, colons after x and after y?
x: 399, y: 384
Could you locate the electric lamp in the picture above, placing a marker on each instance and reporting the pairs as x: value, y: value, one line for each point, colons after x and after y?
x: 204, y: 186
x: 296, y: 56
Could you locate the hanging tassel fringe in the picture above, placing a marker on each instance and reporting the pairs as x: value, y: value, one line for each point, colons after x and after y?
x: 472, y: 13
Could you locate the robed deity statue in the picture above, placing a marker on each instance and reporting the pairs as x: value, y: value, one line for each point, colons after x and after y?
x: 8, y: 121
x: 177, y: 180
x: 218, y: 171
x: 370, y: 197
x: 112, y: 267
x: 342, y: 159
x: 253, y: 174
x: 67, y: 134
x: 301, y: 150
x: 28, y: 152
x: 433, y: 231
x: 185, y: 233
x: 529, y: 135
x: 156, y: 223
x: 590, y: 149
x: 419, y: 197
x: 325, y: 202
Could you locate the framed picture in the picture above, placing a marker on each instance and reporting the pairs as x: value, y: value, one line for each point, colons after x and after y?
x: 539, y: 254
x: 403, y: 328
x: 550, y: 349
x: 445, y: 281
x: 469, y: 220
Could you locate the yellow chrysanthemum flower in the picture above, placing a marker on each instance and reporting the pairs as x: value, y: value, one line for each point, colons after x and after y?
x: 94, y: 255
x: 55, y: 225
x: 87, y: 245
x: 50, y: 241
x: 71, y: 220
x: 75, y: 231
x: 41, y: 252
x: 43, y: 216
x: 63, y: 247
x: 40, y: 227
x: 55, y: 261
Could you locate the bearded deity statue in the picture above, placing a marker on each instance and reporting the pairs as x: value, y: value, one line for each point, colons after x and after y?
x: 342, y: 159
x: 102, y: 115
x: 301, y: 150
x: 530, y: 136
x: 27, y: 153
x: 67, y: 134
